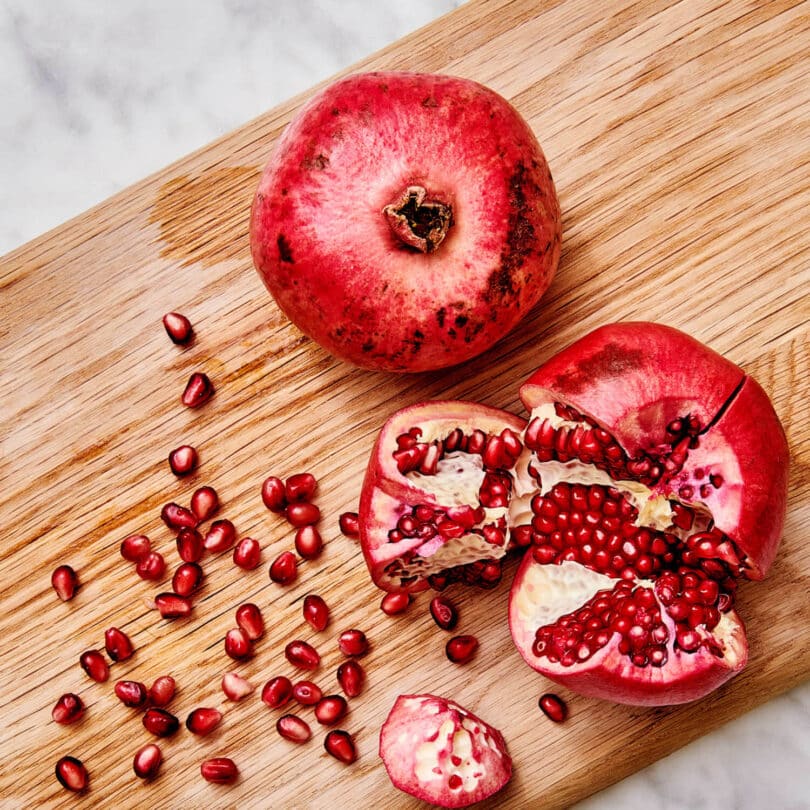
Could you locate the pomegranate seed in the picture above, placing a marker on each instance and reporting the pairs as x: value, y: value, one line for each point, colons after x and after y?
x: 273, y: 494
x: 65, y: 582
x: 444, y: 612
x: 135, y: 547
x: 131, y: 693
x: 277, y: 692
x: 235, y: 686
x: 152, y: 567
x: 178, y: 517
x: 293, y: 728
x: 351, y: 676
x: 178, y: 327
x: 353, y: 643
x: 183, y: 460
x: 203, y: 721
x: 284, y: 568
x: 221, y: 536
x: 331, y: 709
x: 94, y: 664
x: 190, y: 546
x: 187, y: 578
x: 198, y: 390
x: 172, y: 605
x: 118, y: 644
x: 316, y: 612
x: 300, y: 487
x: 204, y: 503
x: 553, y: 707
x: 461, y: 649
x: 146, y: 761
x: 307, y: 693
x: 308, y: 542
x: 395, y: 603
x: 221, y: 770
x: 302, y: 514
x: 249, y: 618
x: 160, y: 722
x: 72, y: 774
x: 162, y: 690
x: 302, y: 655
x: 237, y: 644
x: 247, y: 554
x: 68, y: 709
x: 341, y: 746
x: 349, y: 523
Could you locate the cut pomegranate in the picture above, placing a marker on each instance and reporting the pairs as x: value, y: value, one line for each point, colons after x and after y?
x: 178, y: 327
x: 349, y: 524
x: 284, y: 568
x: 238, y: 644
x: 461, y: 649
x: 147, y: 760
x: 351, y: 676
x: 293, y: 728
x: 64, y: 582
x: 444, y: 612
x: 183, y: 460
x: 190, y: 546
x: 235, y: 686
x: 394, y: 603
x: 247, y: 554
x: 151, y: 567
x: 162, y: 690
x: 203, y: 721
x: 302, y: 655
x: 353, y: 643
x: 277, y: 692
x: 300, y: 487
x: 308, y: 542
x: 306, y: 693
x: 135, y: 547
x: 331, y: 709
x: 220, y: 770
x: 221, y: 536
x: 204, y: 503
x: 316, y: 612
x: 172, y: 605
x: 68, y: 709
x: 72, y: 774
x: 187, y: 578
x: 340, y: 745
x: 434, y: 749
x: 302, y: 514
x: 198, y: 391
x: 553, y: 707
x: 178, y: 517
x: 131, y: 693
x: 95, y: 665
x: 160, y: 722
x: 273, y: 494
x: 249, y: 619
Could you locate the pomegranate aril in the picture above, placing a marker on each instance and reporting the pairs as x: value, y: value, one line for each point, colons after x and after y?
x: 178, y: 517
x: 237, y: 644
x: 444, y: 612
x: 273, y: 494
x: 162, y: 690
x: 284, y: 568
x: 249, y: 619
x: 302, y: 655
x: 183, y: 460
x: 151, y: 567
x: 221, y: 536
x: 461, y: 649
x: 351, y: 677
x: 95, y: 665
x: 341, y: 746
x: 293, y: 728
x: 131, y: 693
x: 316, y: 612
x: 300, y: 487
x: 203, y: 721
x: 198, y: 390
x: 147, y: 760
x: 204, y: 503
x: 64, y: 582
x: 135, y: 547
x: 72, y: 774
x: 349, y: 523
x: 118, y: 644
x: 190, y: 546
x: 220, y: 770
x: 235, y: 686
x: 307, y: 693
x: 393, y: 604
x: 160, y: 722
x: 308, y: 542
x: 277, y: 692
x: 302, y: 514
x: 173, y: 606
x: 68, y: 709
x: 187, y: 579
x: 178, y: 327
x: 331, y: 709
x: 247, y: 554
x: 353, y: 643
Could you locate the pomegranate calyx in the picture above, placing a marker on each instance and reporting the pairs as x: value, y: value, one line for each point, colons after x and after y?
x: 418, y: 222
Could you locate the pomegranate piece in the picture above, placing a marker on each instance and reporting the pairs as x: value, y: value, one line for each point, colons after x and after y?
x: 250, y: 621
x: 307, y: 693
x: 64, y: 582
x: 302, y: 514
x: 349, y: 523
x: 95, y: 665
x: 131, y: 693
x: 118, y: 644
x: 300, y: 487
x: 331, y: 709
x: 178, y: 517
x: 351, y: 676
x: 340, y: 745
x: 384, y: 180
x: 221, y: 536
x: 162, y: 690
x: 151, y: 567
x: 135, y: 547
x: 178, y: 327
x: 461, y: 649
x: 198, y: 391
x: 147, y: 761
x: 434, y: 749
x: 444, y: 612
x: 187, y: 579
x: 273, y: 494
x: 68, y: 709
x: 247, y: 554
x: 160, y: 722
x: 308, y: 542
x: 173, y: 606
x: 238, y: 644
x: 203, y: 721
x: 235, y: 686
x: 302, y: 655
x: 190, y: 546
x: 392, y: 604
x: 220, y: 770
x: 293, y: 728
x: 183, y: 460
x: 353, y: 643
x: 277, y: 692
x: 204, y: 503
x: 72, y: 774
x: 316, y: 612
x: 553, y: 707
x: 284, y: 568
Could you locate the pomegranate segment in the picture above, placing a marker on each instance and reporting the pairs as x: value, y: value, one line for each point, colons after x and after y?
x: 131, y: 693
x: 199, y: 389
x: 95, y: 665
x: 339, y: 744
x: 64, y: 582
x: 147, y: 761
x: 72, y: 774
x: 118, y: 644
x: 162, y: 690
x: 235, y: 686
x: 178, y: 327
x: 434, y: 749
x: 219, y: 770
x: 203, y: 721
x: 204, y: 502
x: 553, y: 707
x: 68, y: 709
x: 293, y: 728
x: 183, y: 460
x: 160, y: 722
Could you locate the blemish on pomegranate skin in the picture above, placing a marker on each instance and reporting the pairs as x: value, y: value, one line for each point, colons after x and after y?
x: 441, y: 314
x: 284, y: 249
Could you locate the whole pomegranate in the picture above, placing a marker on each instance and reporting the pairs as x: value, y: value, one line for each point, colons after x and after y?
x: 406, y: 221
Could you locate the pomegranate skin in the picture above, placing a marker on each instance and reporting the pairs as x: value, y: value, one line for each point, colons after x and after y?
x: 331, y: 257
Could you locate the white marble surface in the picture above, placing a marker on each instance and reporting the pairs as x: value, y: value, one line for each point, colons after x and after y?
x: 96, y: 95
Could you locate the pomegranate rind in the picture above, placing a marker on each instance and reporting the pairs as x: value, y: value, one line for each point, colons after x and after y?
x: 326, y: 253
x: 634, y: 378
x: 418, y: 743
x: 387, y: 493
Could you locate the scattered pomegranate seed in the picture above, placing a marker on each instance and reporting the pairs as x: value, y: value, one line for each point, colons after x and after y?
x: 162, y: 690
x: 351, y: 676
x: 553, y: 707
x: 95, y: 665
x: 237, y: 644
x: 393, y: 604
x: 444, y: 612
x: 293, y: 728
x: 146, y: 761
x: 277, y: 692
x: 203, y: 721
x: 247, y: 554
x: 249, y: 619
x: 187, y: 578
x: 72, y: 774
x: 302, y: 514
x: 353, y: 643
x: 178, y: 327
x: 302, y: 655
x: 160, y: 722
x: 308, y: 542
x: 152, y: 567
x: 331, y: 709
x: 221, y: 770
x: 235, y: 686
x: 118, y: 644
x: 307, y: 693
x: 300, y: 487
x: 341, y: 746
x: 183, y: 460
x: 461, y: 649
x: 135, y: 547
x: 284, y: 568
x: 349, y: 523
x: 190, y: 546
x: 65, y: 582
x: 68, y: 709
x: 316, y: 612
x: 178, y: 517
x: 204, y: 503
x: 273, y: 494
x: 199, y: 390
x: 221, y: 536
x: 173, y: 606
x: 131, y: 693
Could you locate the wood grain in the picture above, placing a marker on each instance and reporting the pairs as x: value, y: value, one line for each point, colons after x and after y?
x: 678, y: 137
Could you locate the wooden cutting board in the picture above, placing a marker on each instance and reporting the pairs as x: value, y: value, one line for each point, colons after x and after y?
x: 679, y: 138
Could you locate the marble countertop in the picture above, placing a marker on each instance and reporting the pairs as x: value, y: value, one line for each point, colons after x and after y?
x: 95, y: 99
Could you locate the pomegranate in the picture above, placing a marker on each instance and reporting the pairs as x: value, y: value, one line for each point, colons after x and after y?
x: 439, y: 752
x: 422, y: 195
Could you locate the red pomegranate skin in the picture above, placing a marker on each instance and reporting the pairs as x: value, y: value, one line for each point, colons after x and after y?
x: 326, y: 252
